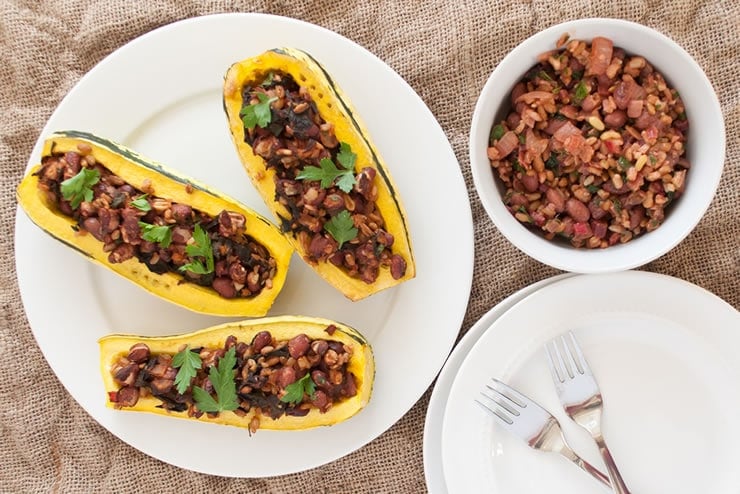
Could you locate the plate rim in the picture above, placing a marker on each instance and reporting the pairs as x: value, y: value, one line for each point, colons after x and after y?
x: 447, y: 375
x: 634, y: 276
x: 22, y: 222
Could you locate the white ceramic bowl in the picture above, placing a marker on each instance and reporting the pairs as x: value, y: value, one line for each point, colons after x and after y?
x: 705, y: 147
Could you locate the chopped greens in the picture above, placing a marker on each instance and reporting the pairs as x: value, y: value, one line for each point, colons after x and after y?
x: 187, y: 362
x: 141, y: 203
x: 497, y: 132
x: 581, y: 92
x: 294, y: 392
x: 79, y: 188
x: 161, y: 235
x: 202, y: 249
x: 341, y: 227
x: 328, y: 174
x: 259, y: 113
x: 222, y: 379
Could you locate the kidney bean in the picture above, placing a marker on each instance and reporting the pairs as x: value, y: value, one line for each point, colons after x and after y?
x: 398, y: 266
x: 319, y: 377
x: 319, y: 347
x: 92, y: 225
x: 615, y: 119
x: 261, y: 340
x: 161, y: 386
x: 285, y: 376
x: 637, y: 214
x: 320, y: 400
x: 594, y: 206
x: 557, y: 199
x: 127, y: 374
x: 139, y: 353
x: 530, y: 182
x: 349, y: 386
x: 298, y: 345
x: 182, y: 213
x: 127, y: 396
x: 225, y: 287
x: 577, y: 210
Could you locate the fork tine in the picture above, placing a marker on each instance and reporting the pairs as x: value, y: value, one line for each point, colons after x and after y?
x: 562, y: 354
x: 555, y: 369
x: 577, y: 355
x: 568, y: 359
x: 503, y: 401
x: 501, y: 415
x: 509, y: 393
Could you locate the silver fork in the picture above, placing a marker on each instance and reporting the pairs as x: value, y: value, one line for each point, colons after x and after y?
x: 580, y: 396
x: 532, y: 423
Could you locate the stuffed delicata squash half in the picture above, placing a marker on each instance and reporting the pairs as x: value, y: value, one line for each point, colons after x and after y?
x: 310, y: 157
x: 167, y: 233
x: 287, y: 372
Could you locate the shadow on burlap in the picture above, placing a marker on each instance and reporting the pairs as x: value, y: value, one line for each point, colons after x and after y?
x: 445, y: 50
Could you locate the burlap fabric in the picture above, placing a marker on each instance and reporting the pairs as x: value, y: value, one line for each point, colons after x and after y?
x: 445, y: 50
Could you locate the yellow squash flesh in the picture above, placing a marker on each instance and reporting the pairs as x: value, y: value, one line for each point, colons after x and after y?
x: 135, y: 170
x: 361, y: 364
x: 336, y: 109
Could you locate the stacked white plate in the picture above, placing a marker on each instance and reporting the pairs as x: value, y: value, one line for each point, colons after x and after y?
x: 664, y: 352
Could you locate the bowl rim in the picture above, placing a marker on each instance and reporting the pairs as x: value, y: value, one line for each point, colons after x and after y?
x: 637, y: 252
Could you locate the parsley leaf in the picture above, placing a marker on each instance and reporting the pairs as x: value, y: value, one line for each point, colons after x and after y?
x: 222, y: 379
x: 346, y: 157
x: 259, y: 113
x: 581, y: 92
x: 158, y: 234
x: 329, y: 174
x: 141, y: 203
x: 341, y: 227
x: 497, y: 132
x: 188, y: 364
x: 294, y: 392
x: 79, y: 188
x: 201, y: 248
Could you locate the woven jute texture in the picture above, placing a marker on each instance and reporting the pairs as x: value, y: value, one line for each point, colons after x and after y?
x: 445, y: 50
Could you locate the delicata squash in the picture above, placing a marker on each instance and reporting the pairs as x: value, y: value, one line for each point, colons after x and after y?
x: 310, y: 157
x: 287, y: 372
x: 167, y: 233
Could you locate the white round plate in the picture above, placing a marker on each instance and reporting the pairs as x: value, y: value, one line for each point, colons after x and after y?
x: 161, y: 95
x: 664, y: 353
x: 435, y: 411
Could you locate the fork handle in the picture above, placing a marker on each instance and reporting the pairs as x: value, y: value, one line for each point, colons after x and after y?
x: 591, y: 470
x: 616, y: 478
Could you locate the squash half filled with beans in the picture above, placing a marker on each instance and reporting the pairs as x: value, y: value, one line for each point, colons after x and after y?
x: 592, y: 150
x: 287, y: 372
x: 171, y: 235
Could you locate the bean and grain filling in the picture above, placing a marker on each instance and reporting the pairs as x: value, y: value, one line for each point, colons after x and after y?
x: 165, y: 236
x: 593, y: 148
x: 333, y: 208
x: 270, y: 377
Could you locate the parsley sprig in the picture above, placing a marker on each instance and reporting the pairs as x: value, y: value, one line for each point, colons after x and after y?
x: 188, y: 363
x: 161, y: 235
x: 222, y: 379
x: 142, y: 204
x: 341, y: 227
x: 79, y: 188
x: 259, y: 113
x: 329, y: 174
x: 294, y: 392
x: 200, y: 248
